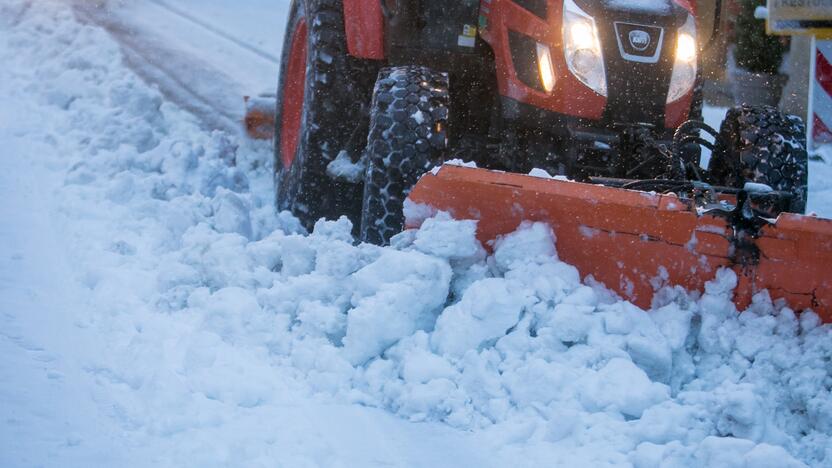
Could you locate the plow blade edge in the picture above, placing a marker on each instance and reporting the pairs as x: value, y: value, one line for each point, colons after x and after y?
x: 633, y: 241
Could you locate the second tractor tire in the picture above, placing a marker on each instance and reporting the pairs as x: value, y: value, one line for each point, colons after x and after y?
x: 760, y: 144
x: 408, y: 136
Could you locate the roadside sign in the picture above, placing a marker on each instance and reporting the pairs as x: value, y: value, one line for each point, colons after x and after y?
x: 800, y: 17
x: 819, y: 122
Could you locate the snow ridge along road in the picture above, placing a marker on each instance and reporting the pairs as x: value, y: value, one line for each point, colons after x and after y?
x: 156, y: 312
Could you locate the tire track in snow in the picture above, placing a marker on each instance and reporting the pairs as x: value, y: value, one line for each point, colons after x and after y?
x: 210, y: 94
x: 184, y: 15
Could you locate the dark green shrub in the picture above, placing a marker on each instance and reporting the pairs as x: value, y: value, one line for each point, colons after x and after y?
x: 755, y: 50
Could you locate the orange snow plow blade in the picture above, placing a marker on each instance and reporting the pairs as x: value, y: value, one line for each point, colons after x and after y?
x: 260, y: 117
x: 633, y: 241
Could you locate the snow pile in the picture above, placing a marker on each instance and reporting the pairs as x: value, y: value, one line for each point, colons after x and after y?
x: 212, y: 316
x: 529, y: 353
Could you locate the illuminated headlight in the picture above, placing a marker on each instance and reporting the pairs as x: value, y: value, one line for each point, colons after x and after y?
x: 547, y: 70
x: 684, y: 65
x: 582, y: 48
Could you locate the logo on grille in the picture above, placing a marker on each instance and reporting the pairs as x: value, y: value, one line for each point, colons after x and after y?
x: 640, y: 40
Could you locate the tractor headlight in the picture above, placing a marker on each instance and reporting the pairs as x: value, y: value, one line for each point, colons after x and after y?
x: 583, y: 48
x: 547, y: 70
x: 684, y: 65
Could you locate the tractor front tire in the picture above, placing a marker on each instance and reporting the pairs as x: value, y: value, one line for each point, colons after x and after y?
x: 408, y: 125
x: 760, y: 144
x: 319, y: 101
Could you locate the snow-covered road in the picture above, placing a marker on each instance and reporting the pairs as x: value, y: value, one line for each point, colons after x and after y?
x: 155, y: 312
x: 177, y: 45
x: 45, y: 396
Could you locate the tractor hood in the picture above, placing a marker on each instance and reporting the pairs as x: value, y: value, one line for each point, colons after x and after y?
x: 638, y: 41
x: 657, y: 12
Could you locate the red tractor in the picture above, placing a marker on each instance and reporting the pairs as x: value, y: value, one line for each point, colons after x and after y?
x: 373, y: 93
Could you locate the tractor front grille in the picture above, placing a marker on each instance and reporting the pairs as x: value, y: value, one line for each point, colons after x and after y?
x: 638, y: 42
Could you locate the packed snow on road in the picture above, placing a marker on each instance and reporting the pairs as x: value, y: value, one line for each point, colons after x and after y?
x: 156, y: 311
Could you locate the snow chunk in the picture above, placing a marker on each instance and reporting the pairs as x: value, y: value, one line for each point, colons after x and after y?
x: 487, y: 310
x: 340, y: 230
x: 231, y: 214
x: 532, y: 242
x: 444, y: 237
x: 729, y: 451
x: 422, y: 366
x: 621, y: 386
x: 541, y: 173
x: 416, y: 213
x: 454, y: 162
x: 757, y: 188
x: 342, y: 167
x: 460, y: 163
x: 394, y: 296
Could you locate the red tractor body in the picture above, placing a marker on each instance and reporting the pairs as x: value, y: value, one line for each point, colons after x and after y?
x: 498, y: 20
